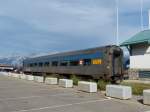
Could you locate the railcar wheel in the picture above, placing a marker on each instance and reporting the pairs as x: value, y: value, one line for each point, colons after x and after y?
x: 116, y: 79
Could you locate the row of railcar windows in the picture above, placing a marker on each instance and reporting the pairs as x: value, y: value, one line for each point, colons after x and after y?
x: 84, y: 62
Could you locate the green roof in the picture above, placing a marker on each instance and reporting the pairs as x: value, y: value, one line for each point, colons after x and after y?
x: 141, y: 37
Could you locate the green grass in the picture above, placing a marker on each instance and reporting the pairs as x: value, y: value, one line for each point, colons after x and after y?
x: 102, y: 84
x: 75, y: 79
x: 137, y: 88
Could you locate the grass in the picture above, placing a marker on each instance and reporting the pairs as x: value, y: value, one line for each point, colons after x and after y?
x: 102, y: 84
x: 75, y: 79
x: 137, y: 88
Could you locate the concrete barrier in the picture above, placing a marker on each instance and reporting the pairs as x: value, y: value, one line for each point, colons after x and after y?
x: 4, y: 73
x: 87, y: 86
x: 146, y: 97
x: 65, y: 83
x: 19, y: 76
x: 15, y: 75
x: 39, y: 79
x: 9, y: 74
x: 118, y: 91
x: 22, y: 76
x: 29, y: 77
x: 51, y: 80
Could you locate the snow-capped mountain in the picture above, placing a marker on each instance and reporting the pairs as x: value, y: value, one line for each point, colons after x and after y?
x: 17, y: 60
x: 14, y: 60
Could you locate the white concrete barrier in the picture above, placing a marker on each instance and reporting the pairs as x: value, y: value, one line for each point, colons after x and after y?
x: 87, y: 86
x: 146, y: 97
x: 9, y: 74
x: 50, y: 80
x: 4, y: 73
x: 39, y: 79
x: 22, y: 76
x: 65, y: 83
x: 29, y: 77
x: 118, y: 91
x: 19, y: 76
x: 15, y: 75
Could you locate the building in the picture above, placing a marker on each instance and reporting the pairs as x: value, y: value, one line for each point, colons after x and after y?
x: 6, y: 67
x: 139, y: 48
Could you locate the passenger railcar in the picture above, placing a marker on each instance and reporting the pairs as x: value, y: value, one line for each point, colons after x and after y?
x: 101, y: 62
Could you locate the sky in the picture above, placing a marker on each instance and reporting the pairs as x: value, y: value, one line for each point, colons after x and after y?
x: 46, y: 26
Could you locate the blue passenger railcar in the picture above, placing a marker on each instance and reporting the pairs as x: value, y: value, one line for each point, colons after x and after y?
x: 101, y: 62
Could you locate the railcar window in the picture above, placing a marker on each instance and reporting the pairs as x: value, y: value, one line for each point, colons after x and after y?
x: 46, y: 64
x: 87, y: 62
x: 63, y: 63
x: 74, y: 63
x: 35, y: 64
x: 54, y: 63
x: 31, y: 65
x: 40, y: 64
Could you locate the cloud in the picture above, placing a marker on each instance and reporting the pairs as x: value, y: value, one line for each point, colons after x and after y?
x: 63, y: 16
x: 36, y: 26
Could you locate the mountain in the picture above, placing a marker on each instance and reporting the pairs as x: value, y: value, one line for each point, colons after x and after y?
x: 14, y: 60
x: 17, y: 60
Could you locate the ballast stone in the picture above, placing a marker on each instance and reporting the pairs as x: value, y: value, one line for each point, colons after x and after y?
x: 146, y: 95
x: 65, y: 83
x: 87, y: 86
x: 52, y: 81
x: 118, y: 91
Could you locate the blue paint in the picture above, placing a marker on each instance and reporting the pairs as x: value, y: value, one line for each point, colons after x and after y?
x: 67, y: 58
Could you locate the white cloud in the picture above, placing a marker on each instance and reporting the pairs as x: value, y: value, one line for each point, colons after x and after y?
x: 57, y: 24
x: 59, y: 16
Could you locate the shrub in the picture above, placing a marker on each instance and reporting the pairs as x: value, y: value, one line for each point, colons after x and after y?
x: 137, y: 88
x: 102, y: 84
x: 75, y: 79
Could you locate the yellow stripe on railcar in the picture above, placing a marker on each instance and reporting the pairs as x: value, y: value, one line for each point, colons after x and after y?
x: 96, y: 61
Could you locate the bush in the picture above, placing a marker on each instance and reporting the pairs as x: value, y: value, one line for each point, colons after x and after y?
x: 137, y: 88
x: 102, y: 85
x: 75, y: 79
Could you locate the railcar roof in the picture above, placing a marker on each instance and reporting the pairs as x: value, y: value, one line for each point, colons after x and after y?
x: 63, y: 53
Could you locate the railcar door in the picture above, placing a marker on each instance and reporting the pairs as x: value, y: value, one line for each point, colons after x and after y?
x: 117, y: 63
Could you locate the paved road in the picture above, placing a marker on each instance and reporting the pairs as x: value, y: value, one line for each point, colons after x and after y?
x: 18, y: 95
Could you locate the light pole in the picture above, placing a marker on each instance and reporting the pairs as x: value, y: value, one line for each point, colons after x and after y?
x: 117, y: 27
x: 149, y: 19
x: 141, y: 15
